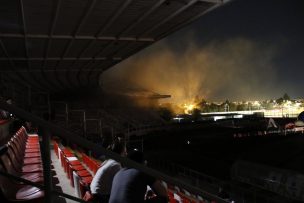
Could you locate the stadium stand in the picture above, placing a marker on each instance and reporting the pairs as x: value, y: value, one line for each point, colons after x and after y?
x: 61, y: 49
x: 81, y: 169
x: 22, y: 158
x: 94, y: 122
x: 4, y: 131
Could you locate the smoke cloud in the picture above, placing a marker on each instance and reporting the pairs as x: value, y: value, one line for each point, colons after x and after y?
x: 236, y: 69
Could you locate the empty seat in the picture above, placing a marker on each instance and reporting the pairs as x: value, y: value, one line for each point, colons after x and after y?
x: 18, y: 165
x: 74, y: 169
x: 13, y: 151
x: 93, y: 165
x: 7, y: 164
x: 81, y: 183
x: 66, y: 161
x: 84, y: 184
x: 55, y: 145
x: 14, y: 192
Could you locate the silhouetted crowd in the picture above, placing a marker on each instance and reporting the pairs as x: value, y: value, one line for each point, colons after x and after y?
x: 116, y: 184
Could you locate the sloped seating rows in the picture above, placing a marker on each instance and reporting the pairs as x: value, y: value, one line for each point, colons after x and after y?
x: 176, y: 196
x: 23, y: 159
x: 92, y: 164
x: 80, y: 177
x: 16, y: 192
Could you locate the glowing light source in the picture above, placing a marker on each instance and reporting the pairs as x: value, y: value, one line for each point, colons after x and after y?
x: 188, y: 108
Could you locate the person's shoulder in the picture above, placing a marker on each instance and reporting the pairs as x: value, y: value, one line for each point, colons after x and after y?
x: 131, y: 170
x: 112, y: 162
x: 126, y: 170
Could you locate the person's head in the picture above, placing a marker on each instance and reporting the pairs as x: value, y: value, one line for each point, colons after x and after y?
x: 118, y: 146
x: 9, y: 101
x: 136, y: 155
x: 3, y: 149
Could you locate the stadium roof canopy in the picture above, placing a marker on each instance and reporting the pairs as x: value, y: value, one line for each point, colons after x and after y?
x: 53, y: 45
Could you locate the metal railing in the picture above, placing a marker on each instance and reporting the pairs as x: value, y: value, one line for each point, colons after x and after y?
x: 84, y: 143
x: 285, y: 183
x: 195, y: 178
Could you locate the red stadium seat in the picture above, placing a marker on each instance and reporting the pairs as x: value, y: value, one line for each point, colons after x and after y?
x: 74, y: 168
x: 20, y: 157
x: 7, y: 164
x: 83, y: 173
x: 55, y: 145
x: 12, y: 192
x: 84, y: 184
x: 20, y: 163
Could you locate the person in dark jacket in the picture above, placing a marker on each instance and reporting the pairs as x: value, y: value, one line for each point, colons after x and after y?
x: 130, y: 185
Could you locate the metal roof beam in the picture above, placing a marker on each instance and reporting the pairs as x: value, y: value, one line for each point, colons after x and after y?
x: 215, y: 1
x: 93, y: 69
x: 23, y: 25
x: 53, y: 25
x: 21, y: 77
x: 168, y: 18
x: 85, y: 67
x: 87, y: 12
x: 6, y: 54
x: 104, y: 48
x: 139, y: 20
x: 47, y: 71
x: 101, y: 31
x: 51, y: 31
x: 62, y: 59
x: 81, y: 22
x: 111, y: 21
x: 85, y: 16
x: 100, y: 52
x: 24, y: 30
x: 77, y: 37
x: 187, y: 22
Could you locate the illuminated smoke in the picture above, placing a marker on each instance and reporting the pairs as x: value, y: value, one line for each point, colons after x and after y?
x: 235, y: 69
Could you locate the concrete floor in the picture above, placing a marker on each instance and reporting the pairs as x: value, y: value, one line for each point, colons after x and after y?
x: 64, y: 183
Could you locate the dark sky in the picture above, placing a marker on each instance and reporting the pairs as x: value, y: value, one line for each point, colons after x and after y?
x: 259, y: 42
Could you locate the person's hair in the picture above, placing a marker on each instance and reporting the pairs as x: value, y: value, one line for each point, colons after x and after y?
x: 136, y: 156
x: 3, y: 149
x: 117, y: 146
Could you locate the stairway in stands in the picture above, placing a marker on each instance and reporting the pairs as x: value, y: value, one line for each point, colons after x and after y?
x: 81, y: 168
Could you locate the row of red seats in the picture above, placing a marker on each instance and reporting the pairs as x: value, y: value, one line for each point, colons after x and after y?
x: 3, y: 121
x: 23, y: 159
x: 92, y: 164
x: 80, y: 177
x: 177, y: 195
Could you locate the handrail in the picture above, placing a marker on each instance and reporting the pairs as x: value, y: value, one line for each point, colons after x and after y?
x: 27, y: 182
x: 98, y: 149
x: 190, y: 173
x: 4, y: 121
x: 4, y: 130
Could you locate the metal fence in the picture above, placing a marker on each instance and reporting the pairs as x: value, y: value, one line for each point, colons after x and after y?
x: 49, y: 128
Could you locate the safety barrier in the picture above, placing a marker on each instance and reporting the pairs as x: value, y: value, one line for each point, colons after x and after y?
x: 51, y: 128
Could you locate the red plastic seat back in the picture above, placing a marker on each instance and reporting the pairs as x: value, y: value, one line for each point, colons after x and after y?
x: 88, y: 196
x: 7, y: 164
x: 7, y: 188
x: 15, y: 163
x: 14, y: 151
